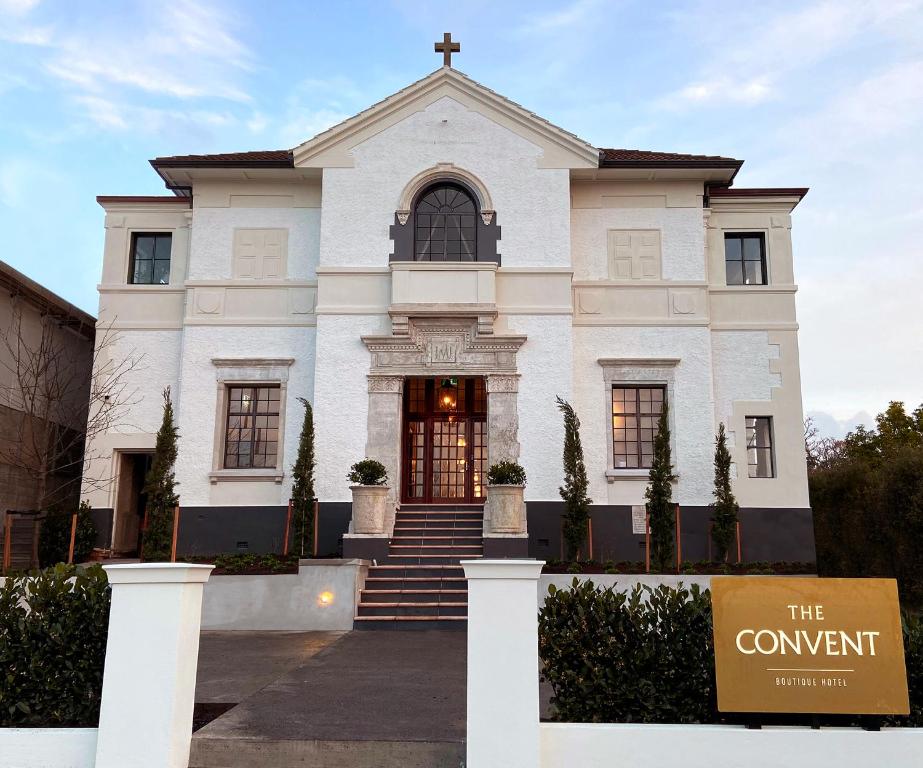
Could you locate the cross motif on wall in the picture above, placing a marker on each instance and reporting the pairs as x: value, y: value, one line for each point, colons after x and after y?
x: 447, y: 48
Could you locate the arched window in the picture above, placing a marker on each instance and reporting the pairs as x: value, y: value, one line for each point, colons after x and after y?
x: 445, y: 224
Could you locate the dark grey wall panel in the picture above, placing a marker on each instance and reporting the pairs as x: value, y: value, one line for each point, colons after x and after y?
x: 766, y: 534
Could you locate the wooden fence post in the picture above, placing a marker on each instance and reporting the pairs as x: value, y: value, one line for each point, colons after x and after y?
x: 7, y: 541
x: 315, y: 527
x: 738, y: 542
x: 70, y: 548
x: 175, y: 533
x: 288, y: 525
x: 679, y: 539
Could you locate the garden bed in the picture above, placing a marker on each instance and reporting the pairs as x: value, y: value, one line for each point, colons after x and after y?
x: 247, y: 564
x: 699, y: 568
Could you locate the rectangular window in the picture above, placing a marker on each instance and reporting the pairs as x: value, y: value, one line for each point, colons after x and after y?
x: 635, y: 413
x: 759, y: 447
x: 251, y: 439
x: 150, y: 259
x: 745, y: 258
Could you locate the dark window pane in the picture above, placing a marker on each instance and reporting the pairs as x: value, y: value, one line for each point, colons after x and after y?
x: 732, y: 248
x: 144, y: 272
x: 632, y: 433
x: 445, y: 224
x: 759, y: 447
x: 753, y: 250
x: 753, y: 273
x: 251, y: 438
x: 144, y: 247
x: 735, y: 273
x: 161, y: 272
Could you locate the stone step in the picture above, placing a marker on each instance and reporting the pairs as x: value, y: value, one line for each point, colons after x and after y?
x: 412, y: 595
x: 403, y: 540
x: 429, y: 559
x: 437, y: 526
x: 415, y: 570
x: 432, y: 610
x: 415, y: 584
x: 459, y: 550
x: 411, y: 623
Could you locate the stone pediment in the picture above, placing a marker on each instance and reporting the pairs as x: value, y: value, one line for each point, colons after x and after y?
x: 440, y: 346
x: 332, y: 148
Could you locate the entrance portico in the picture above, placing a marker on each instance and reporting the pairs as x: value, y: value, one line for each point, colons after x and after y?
x: 438, y: 349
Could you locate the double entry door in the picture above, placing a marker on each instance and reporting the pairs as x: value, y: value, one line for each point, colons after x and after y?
x: 445, y: 440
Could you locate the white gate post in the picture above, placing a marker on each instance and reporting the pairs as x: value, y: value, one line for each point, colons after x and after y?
x: 145, y: 718
x: 503, y: 707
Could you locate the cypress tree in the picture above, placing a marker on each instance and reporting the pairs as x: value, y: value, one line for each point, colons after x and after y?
x: 303, y: 485
x: 659, y: 495
x: 574, y: 491
x: 160, y: 487
x: 724, y: 508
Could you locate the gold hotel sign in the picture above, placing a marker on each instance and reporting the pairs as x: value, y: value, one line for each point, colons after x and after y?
x: 822, y: 646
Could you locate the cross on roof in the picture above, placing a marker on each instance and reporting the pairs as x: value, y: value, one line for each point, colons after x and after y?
x: 447, y: 48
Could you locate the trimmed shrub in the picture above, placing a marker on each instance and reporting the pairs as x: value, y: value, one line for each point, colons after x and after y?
x: 55, y: 536
x: 640, y: 657
x: 368, y: 472
x: 303, y: 484
x: 576, y: 513
x: 53, y: 628
x: 506, y: 473
x: 160, y: 487
x: 659, y: 495
x: 724, y: 508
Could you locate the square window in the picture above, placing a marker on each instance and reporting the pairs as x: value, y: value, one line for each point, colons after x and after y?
x: 149, y: 259
x: 745, y: 258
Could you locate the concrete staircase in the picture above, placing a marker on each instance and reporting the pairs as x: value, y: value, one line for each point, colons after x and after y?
x: 421, y: 584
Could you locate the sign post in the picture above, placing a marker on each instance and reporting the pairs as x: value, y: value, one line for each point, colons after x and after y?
x: 807, y: 645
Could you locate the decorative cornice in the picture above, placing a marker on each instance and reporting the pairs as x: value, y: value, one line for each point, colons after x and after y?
x: 252, y: 362
x: 638, y: 362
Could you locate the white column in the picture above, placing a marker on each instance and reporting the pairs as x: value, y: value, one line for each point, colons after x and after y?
x: 145, y: 718
x: 503, y: 707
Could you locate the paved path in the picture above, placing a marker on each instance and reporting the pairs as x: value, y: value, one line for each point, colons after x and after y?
x: 234, y: 665
x: 381, y: 698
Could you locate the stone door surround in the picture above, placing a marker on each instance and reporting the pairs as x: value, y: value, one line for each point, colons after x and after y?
x: 440, y: 347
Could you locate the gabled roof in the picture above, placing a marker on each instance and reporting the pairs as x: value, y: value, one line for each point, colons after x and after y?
x: 561, y: 148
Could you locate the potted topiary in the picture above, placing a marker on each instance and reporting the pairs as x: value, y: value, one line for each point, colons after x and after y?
x: 506, y: 482
x: 370, y: 496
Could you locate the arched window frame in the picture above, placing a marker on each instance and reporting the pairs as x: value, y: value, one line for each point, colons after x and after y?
x: 467, y: 250
x: 403, y: 231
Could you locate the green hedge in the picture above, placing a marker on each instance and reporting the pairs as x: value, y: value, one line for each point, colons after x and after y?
x: 55, y: 535
x: 648, y: 656
x: 643, y: 657
x: 53, y: 627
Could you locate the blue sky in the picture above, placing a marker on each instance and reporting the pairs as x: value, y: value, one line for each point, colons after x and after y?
x: 821, y: 94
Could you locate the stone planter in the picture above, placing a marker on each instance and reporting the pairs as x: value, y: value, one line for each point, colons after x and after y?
x: 507, y: 510
x: 370, y: 508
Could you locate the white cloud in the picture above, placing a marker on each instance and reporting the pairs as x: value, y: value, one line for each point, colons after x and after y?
x: 756, y: 58
x: 17, y: 7
x: 575, y: 14
x: 176, y: 52
x: 306, y: 124
x: 722, y: 89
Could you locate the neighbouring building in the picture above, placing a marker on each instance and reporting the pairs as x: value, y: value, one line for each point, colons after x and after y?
x: 46, y: 355
x: 431, y: 273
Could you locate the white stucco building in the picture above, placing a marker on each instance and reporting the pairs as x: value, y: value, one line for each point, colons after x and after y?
x: 431, y: 274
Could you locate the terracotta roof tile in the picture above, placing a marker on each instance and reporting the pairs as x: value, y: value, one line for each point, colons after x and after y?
x: 611, y: 157
x: 271, y: 158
